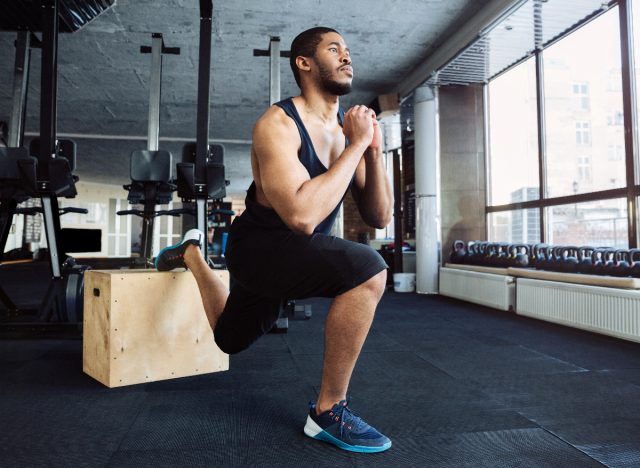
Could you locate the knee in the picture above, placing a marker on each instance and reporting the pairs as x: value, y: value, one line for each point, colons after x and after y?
x: 377, y: 284
x: 228, y: 344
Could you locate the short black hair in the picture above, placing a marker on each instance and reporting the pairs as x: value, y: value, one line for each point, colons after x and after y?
x: 305, y: 44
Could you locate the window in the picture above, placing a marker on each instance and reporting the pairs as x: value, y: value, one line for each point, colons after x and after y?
x: 119, y: 233
x: 584, y: 170
x: 515, y: 227
x: 599, y: 224
x: 582, y: 66
x: 615, y: 152
x: 584, y: 136
x: 581, y: 95
x: 583, y: 133
x: 167, y: 230
x: 615, y: 118
x: 513, y: 136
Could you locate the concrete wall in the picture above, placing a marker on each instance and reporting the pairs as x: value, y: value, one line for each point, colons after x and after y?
x: 462, y: 165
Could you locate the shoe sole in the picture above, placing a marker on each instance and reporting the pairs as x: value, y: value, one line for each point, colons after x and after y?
x: 314, y: 431
x: 183, y: 244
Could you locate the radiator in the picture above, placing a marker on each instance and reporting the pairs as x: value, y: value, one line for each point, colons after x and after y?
x: 487, y: 289
x: 598, y: 309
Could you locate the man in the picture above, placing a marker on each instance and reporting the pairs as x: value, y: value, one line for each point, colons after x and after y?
x: 279, y: 248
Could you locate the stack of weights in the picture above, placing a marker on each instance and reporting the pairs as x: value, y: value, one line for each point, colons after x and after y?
x: 586, y: 260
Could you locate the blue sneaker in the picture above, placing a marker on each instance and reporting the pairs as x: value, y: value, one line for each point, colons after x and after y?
x: 173, y: 256
x: 343, y: 428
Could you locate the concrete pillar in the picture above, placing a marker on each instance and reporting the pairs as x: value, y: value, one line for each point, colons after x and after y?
x: 426, y: 184
x: 462, y: 164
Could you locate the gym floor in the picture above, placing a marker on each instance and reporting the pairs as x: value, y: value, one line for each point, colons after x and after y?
x: 452, y: 384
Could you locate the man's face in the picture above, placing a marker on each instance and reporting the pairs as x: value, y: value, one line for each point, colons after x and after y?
x: 334, y: 64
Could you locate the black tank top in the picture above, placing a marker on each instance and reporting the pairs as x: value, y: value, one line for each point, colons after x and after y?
x: 258, y: 215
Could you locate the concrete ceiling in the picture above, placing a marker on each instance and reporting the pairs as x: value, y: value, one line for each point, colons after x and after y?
x: 103, y: 78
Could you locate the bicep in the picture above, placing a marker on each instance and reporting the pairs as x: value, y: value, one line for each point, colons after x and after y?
x: 281, y: 173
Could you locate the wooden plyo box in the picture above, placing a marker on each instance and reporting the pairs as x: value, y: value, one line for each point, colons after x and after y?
x: 145, y: 325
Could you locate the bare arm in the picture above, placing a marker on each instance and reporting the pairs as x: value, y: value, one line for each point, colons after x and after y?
x: 303, y: 202
x: 372, y: 189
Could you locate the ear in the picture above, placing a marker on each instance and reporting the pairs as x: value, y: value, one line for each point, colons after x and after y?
x: 303, y: 63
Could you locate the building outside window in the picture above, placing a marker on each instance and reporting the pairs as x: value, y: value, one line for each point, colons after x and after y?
x: 581, y: 96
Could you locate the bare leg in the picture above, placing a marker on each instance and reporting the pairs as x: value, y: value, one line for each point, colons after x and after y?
x: 346, y: 328
x: 213, y: 291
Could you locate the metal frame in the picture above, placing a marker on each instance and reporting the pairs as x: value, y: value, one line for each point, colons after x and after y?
x: 274, y: 70
x: 629, y: 113
x: 20, y: 88
x: 542, y: 143
x: 202, y: 128
x: 487, y: 149
x: 157, y: 50
x: 273, y: 52
x: 155, y: 89
x: 48, y: 143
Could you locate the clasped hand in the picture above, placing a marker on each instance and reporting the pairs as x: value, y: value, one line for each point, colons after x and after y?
x: 361, y: 127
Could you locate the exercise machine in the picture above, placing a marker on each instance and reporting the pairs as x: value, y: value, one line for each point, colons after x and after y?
x: 151, y: 169
x: 44, y: 171
x: 201, y: 174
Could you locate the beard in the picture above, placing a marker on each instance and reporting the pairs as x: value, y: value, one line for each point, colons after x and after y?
x: 328, y: 84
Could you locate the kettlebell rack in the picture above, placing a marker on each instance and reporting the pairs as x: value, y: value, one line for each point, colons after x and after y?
x: 592, y: 288
x: 605, y: 261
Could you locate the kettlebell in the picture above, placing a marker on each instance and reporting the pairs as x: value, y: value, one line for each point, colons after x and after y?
x: 634, y: 258
x: 521, y: 258
x: 609, y: 262
x: 458, y: 252
x: 584, y: 257
x: 556, y: 263
x: 597, y: 261
x: 502, y: 259
x: 622, y: 265
x: 491, y: 257
x: 536, y: 255
x: 570, y: 260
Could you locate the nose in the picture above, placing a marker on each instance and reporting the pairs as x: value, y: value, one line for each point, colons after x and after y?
x: 346, y: 58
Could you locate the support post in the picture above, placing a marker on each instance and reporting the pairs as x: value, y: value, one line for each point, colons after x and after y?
x: 20, y: 86
x: 274, y: 70
x: 397, y: 213
x: 202, y: 130
x: 427, y: 202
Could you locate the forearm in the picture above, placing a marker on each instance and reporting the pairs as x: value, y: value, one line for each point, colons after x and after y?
x: 317, y: 197
x: 376, y: 206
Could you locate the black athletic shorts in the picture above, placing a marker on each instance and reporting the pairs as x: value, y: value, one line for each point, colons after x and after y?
x: 269, y: 266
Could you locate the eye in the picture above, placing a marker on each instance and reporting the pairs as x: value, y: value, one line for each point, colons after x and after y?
x: 333, y: 49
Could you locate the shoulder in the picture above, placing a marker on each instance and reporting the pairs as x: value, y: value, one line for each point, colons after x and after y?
x: 274, y: 120
x: 275, y: 132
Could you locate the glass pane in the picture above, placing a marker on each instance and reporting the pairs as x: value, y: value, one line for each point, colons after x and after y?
x: 599, y: 224
x: 112, y: 215
x: 513, y: 136
x: 124, y: 223
x: 163, y: 224
x: 583, y: 110
x: 122, y: 246
x: 515, y: 227
x: 111, y: 248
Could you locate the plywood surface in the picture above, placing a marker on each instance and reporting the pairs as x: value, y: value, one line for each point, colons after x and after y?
x: 145, y: 325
